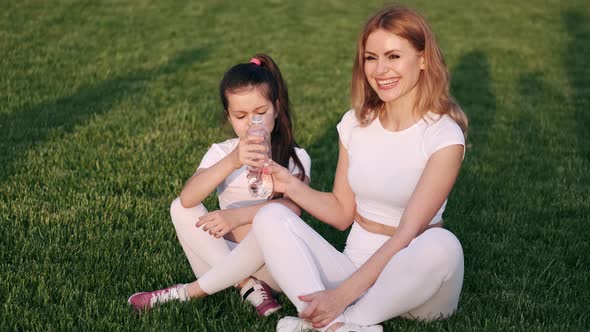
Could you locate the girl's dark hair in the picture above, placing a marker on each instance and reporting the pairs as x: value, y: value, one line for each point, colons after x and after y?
x: 267, y: 78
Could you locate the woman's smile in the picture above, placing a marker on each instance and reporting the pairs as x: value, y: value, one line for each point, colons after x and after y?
x: 387, y: 84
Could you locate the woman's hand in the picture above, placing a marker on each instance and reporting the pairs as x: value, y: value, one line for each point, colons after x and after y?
x: 219, y: 222
x: 281, y: 177
x: 249, y: 152
x: 324, y: 307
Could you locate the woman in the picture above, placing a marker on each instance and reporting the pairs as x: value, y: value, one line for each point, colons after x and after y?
x: 401, y: 148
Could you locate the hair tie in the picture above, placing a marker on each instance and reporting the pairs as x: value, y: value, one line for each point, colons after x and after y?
x: 255, y: 61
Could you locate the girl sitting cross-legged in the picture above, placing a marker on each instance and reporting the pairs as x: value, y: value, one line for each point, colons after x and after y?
x: 219, y: 247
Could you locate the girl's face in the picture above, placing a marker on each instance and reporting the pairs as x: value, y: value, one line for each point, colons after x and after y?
x: 244, y: 104
x: 392, y: 65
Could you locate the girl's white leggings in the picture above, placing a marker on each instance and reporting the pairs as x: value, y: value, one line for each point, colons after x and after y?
x: 216, y: 262
x: 422, y: 281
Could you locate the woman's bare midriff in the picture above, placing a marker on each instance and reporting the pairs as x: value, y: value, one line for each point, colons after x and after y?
x: 379, y: 228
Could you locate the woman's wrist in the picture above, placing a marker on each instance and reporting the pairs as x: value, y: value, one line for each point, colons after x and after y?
x: 351, y: 290
x: 294, y: 186
x: 346, y: 294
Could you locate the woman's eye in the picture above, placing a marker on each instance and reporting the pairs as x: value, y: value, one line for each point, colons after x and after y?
x: 368, y: 58
x: 394, y: 56
x: 240, y: 117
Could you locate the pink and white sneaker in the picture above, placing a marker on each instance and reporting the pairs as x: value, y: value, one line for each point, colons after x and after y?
x: 259, y: 294
x: 145, y: 301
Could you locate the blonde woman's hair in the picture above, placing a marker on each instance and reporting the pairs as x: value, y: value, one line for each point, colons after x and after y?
x: 433, y: 85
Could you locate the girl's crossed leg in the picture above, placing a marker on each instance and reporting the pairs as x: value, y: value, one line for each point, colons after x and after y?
x: 217, y: 263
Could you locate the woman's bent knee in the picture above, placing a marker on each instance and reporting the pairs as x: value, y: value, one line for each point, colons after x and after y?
x: 441, y: 246
x: 270, y: 212
x: 270, y: 219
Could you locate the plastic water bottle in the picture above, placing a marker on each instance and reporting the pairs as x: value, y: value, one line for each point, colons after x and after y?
x: 260, y: 178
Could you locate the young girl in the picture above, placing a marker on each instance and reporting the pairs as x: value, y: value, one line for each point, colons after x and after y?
x: 207, y: 238
x: 401, y: 148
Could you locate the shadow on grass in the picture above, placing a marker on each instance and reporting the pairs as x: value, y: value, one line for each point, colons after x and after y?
x: 471, y: 85
x: 576, y: 62
x: 506, y: 194
x: 535, y: 141
x: 24, y: 128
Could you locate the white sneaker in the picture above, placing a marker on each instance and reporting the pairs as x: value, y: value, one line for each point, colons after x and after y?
x: 294, y: 324
x: 357, y: 328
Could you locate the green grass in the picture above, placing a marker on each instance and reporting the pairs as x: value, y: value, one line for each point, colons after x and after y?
x: 107, y: 107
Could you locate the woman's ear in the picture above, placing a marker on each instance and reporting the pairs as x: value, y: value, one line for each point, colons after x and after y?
x: 276, y: 115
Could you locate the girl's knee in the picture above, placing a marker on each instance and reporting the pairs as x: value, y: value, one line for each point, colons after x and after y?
x: 180, y: 214
x: 175, y: 206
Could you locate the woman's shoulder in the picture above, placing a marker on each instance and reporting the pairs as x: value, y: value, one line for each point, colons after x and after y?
x: 348, y: 121
x: 437, y: 122
x: 349, y: 117
x: 442, y: 131
x: 346, y: 126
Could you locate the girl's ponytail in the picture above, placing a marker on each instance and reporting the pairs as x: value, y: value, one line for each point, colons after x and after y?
x: 282, y: 92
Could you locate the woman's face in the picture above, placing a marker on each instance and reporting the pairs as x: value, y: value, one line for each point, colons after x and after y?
x: 392, y: 65
x: 243, y: 105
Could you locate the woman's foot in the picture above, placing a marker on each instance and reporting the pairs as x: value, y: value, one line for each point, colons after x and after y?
x: 259, y: 294
x: 145, y: 301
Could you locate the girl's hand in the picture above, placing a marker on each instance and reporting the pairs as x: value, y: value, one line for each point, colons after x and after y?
x: 249, y: 152
x: 219, y: 222
x: 281, y: 177
x: 324, y: 307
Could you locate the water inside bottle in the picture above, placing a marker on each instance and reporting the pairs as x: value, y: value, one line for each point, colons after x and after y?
x: 260, y: 179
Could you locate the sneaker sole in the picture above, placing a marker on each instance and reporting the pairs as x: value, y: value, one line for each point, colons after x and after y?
x: 271, y: 311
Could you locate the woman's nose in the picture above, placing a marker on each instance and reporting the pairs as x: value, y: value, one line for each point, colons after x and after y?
x: 381, y: 67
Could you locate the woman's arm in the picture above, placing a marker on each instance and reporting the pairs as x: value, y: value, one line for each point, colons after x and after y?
x: 432, y: 189
x: 335, y: 208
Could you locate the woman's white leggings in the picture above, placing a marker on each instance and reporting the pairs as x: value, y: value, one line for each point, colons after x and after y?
x: 216, y: 262
x: 422, y: 281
